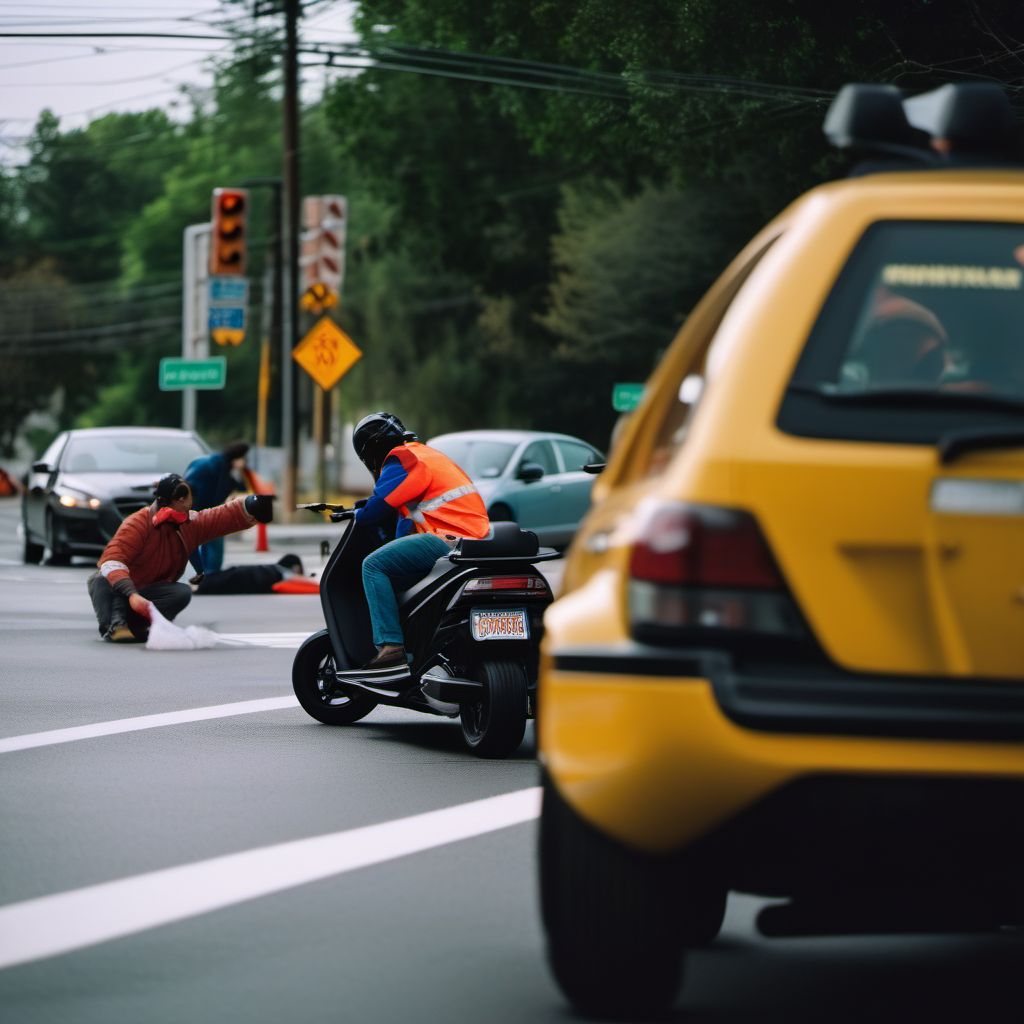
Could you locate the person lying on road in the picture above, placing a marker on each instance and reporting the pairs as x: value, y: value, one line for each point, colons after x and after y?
x: 251, y: 579
x: 146, y: 557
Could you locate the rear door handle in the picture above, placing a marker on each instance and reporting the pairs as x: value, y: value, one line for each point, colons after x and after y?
x: 556, y: 488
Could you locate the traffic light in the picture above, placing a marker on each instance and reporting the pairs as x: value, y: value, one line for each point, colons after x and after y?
x: 227, y: 243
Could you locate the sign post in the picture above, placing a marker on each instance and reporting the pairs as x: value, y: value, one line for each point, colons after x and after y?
x: 194, y: 333
x: 326, y: 353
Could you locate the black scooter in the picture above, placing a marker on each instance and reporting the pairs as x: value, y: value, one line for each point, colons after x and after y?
x: 472, y: 626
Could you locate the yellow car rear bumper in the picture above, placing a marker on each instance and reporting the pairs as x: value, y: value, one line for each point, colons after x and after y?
x: 655, y: 762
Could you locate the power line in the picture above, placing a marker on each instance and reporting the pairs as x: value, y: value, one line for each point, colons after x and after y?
x: 113, y: 35
x: 545, y: 76
x: 54, y: 21
x: 78, y: 7
x: 90, y: 332
x: 135, y: 78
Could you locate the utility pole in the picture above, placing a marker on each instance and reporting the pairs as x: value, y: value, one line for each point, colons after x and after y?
x: 195, y: 336
x: 290, y: 233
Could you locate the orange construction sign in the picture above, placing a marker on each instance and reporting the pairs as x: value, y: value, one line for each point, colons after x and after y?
x: 327, y: 353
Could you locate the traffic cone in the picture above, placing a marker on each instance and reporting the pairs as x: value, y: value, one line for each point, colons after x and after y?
x: 259, y: 486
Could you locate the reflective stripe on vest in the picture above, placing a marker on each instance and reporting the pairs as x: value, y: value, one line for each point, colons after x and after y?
x: 417, y: 508
x: 442, y: 499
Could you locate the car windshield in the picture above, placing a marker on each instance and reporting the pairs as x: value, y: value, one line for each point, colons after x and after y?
x: 128, y: 454
x: 479, y: 460
x: 927, y: 321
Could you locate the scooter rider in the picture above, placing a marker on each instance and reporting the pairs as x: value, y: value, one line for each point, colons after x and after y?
x: 438, y: 506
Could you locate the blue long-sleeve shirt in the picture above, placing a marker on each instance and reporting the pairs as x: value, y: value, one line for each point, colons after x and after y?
x: 211, y: 481
x: 376, y: 509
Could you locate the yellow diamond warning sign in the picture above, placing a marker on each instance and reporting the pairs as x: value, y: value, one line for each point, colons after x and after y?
x: 327, y: 353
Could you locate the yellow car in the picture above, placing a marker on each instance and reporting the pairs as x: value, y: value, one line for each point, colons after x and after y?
x: 789, y: 655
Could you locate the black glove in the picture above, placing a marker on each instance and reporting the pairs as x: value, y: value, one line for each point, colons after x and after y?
x: 260, y: 507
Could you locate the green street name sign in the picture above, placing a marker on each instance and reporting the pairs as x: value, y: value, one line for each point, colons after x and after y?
x: 626, y: 397
x: 203, y: 374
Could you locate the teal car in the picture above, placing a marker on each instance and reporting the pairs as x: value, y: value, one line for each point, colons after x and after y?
x: 532, y: 478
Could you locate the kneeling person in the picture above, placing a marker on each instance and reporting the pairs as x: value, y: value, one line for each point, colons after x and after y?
x: 147, y: 556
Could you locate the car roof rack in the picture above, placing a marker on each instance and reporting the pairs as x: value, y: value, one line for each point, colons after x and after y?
x: 967, y: 125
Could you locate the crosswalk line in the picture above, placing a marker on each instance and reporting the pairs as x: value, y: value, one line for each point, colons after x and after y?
x: 291, y: 640
x: 65, y: 921
x: 120, y: 725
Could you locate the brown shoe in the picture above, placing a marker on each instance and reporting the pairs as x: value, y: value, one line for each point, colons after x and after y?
x: 119, y: 633
x: 388, y: 660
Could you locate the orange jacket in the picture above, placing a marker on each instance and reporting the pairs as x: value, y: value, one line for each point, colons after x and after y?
x: 140, y: 553
x: 436, y: 495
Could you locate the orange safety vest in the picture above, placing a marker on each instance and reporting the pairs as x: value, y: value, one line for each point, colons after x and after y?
x: 436, y: 495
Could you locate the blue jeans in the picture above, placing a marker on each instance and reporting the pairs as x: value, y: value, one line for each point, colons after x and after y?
x: 396, y: 566
x: 213, y: 555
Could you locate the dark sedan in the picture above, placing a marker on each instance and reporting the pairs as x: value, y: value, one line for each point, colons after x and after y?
x: 88, y: 481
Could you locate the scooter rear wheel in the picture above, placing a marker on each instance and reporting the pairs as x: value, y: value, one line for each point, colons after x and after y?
x: 317, y: 688
x: 495, y: 725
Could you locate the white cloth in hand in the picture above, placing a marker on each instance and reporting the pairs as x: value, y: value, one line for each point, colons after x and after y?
x: 166, y: 636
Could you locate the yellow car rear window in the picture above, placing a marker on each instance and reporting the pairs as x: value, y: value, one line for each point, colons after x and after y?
x: 923, y: 334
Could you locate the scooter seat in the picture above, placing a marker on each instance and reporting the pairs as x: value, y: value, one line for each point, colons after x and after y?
x: 506, y: 541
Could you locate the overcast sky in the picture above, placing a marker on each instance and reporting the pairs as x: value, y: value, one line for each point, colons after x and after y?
x: 80, y: 79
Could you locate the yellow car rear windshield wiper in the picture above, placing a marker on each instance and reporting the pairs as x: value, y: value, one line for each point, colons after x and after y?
x: 902, y: 395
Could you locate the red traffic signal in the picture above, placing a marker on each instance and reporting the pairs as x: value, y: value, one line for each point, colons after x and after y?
x: 227, y: 243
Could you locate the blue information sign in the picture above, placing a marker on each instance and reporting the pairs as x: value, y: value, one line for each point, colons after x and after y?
x: 227, y: 316
x: 229, y: 291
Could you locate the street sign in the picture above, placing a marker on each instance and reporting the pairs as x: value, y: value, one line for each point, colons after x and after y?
x: 230, y: 290
x: 227, y: 316
x: 322, y: 243
x: 318, y: 298
x: 626, y: 397
x: 326, y: 353
x: 228, y: 301
x: 202, y: 374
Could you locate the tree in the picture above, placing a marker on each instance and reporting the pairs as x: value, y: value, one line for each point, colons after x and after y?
x: 33, y: 364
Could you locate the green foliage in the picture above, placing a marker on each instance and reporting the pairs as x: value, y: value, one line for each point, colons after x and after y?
x: 512, y: 251
x: 24, y: 390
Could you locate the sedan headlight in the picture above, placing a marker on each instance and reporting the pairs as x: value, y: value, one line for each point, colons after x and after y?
x: 70, y: 498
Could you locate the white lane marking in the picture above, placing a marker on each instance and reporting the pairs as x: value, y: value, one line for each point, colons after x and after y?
x: 51, y: 925
x: 291, y: 640
x: 119, y: 725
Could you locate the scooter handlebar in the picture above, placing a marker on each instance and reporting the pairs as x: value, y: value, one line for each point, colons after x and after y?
x: 322, y: 506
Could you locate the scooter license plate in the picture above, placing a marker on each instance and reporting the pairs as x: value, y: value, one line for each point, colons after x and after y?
x: 499, y: 624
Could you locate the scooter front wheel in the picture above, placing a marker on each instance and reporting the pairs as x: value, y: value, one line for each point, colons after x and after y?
x: 495, y: 725
x: 317, y: 687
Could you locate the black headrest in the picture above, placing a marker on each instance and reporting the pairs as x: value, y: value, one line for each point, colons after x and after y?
x: 972, y: 117
x: 506, y: 541
x: 872, y: 118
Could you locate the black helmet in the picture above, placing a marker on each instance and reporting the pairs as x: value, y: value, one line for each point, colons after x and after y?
x: 376, y: 435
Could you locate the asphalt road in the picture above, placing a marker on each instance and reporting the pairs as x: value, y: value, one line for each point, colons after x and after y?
x: 388, y: 917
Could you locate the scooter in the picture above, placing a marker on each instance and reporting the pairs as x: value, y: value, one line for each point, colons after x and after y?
x: 472, y: 626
